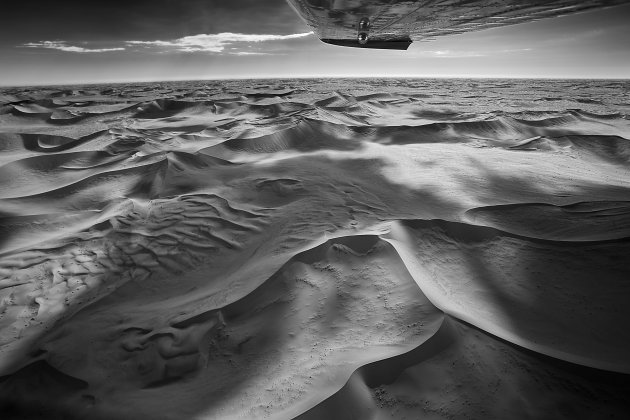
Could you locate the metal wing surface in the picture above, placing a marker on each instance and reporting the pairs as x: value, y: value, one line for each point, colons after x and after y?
x: 395, y: 24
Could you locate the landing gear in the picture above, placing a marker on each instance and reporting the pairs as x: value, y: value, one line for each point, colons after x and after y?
x: 364, y: 24
x: 364, y: 29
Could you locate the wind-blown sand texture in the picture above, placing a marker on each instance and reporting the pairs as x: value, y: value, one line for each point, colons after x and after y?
x: 368, y: 249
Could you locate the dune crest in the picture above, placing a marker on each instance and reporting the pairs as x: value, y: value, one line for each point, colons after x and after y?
x: 315, y: 249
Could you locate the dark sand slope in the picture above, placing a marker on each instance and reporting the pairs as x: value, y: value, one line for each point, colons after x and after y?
x: 548, y: 296
x: 315, y: 249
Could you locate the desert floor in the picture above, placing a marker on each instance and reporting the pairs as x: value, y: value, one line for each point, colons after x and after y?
x: 278, y: 249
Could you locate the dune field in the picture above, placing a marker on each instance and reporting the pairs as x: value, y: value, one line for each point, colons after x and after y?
x: 316, y: 249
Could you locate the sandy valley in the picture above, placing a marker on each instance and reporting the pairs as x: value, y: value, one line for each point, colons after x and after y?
x: 334, y: 248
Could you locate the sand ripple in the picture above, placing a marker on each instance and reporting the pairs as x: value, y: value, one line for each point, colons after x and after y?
x: 315, y: 249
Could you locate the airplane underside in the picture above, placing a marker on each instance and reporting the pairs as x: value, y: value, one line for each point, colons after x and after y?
x: 395, y: 24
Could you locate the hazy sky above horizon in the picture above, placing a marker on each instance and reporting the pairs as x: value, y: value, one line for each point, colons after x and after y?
x: 80, y: 41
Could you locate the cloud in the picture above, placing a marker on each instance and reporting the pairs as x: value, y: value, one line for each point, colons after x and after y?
x: 466, y: 54
x: 250, y: 53
x: 63, y: 46
x: 214, y: 42
x: 452, y: 54
x: 193, y: 43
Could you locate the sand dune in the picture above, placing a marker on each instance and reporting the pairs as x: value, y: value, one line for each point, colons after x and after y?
x: 438, y: 249
x: 483, y: 276
x: 587, y: 221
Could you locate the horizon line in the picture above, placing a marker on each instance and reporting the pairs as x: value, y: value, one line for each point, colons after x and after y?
x: 303, y: 77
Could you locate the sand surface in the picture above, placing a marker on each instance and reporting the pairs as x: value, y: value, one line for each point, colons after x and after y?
x: 367, y: 249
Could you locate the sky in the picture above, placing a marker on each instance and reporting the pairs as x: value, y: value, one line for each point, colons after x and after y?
x: 94, y: 41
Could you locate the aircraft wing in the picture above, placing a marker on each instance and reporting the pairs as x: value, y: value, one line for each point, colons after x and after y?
x: 395, y: 24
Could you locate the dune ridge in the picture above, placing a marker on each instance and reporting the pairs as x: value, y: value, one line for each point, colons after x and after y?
x: 307, y: 249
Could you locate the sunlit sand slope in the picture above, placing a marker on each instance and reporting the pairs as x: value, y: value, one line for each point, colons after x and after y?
x: 315, y: 249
